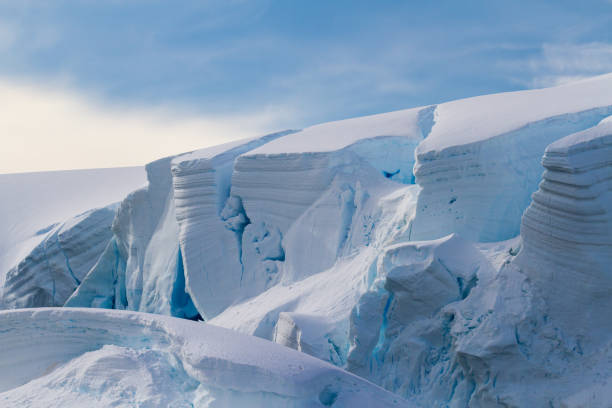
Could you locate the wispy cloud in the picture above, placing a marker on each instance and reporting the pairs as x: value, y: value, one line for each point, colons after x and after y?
x: 560, y: 63
x: 46, y: 128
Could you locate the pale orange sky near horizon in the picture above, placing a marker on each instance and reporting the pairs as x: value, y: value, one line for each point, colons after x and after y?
x: 50, y: 128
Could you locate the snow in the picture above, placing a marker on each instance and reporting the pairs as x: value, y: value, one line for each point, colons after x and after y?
x: 409, y: 123
x: 471, y: 120
x: 423, y: 250
x: 480, y: 163
x: 579, y: 139
x: 70, y: 357
x: 33, y: 202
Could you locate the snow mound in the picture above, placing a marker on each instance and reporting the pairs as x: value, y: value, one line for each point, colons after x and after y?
x: 71, y: 357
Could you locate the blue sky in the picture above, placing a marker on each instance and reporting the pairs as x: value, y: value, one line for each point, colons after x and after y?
x: 295, y: 63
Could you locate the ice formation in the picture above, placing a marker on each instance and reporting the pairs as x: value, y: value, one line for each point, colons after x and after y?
x: 33, y: 204
x: 567, y: 230
x: 58, y: 264
x: 404, y: 247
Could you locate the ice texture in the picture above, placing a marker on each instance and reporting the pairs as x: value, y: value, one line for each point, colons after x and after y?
x: 33, y: 203
x: 211, y: 224
x: 405, y: 247
x: 481, y: 160
x: 51, y: 272
x: 140, y: 268
x: 567, y: 231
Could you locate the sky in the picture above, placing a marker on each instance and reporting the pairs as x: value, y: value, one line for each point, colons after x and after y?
x: 86, y: 84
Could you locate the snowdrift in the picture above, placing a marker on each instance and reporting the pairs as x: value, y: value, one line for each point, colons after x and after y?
x: 100, y: 358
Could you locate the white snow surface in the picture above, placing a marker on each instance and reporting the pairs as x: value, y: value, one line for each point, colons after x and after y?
x: 100, y: 358
x: 471, y: 120
x: 339, y: 134
x: 579, y: 139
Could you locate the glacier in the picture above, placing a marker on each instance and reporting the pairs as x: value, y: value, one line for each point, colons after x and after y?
x: 455, y: 255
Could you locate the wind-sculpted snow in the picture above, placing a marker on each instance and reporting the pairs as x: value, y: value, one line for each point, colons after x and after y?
x: 567, y: 231
x: 481, y: 160
x: 49, y: 274
x: 96, y: 358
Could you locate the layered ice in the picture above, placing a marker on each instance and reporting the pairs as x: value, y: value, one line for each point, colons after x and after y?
x: 481, y: 160
x: 140, y: 268
x: 567, y: 231
x: 76, y: 357
x: 34, y: 203
x: 51, y: 272
x: 386, y: 245
x: 211, y: 224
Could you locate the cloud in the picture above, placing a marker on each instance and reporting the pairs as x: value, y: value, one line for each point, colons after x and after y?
x: 8, y: 35
x: 51, y: 128
x: 561, y: 63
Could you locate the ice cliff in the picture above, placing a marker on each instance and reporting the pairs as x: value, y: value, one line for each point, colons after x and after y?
x: 422, y: 249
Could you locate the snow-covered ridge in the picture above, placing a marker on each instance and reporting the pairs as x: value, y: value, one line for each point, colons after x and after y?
x: 58, y: 357
x: 481, y: 160
x: 331, y: 136
x: 33, y: 202
x: 466, y: 121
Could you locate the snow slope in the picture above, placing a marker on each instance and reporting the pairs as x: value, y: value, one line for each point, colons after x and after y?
x: 87, y: 357
x: 34, y: 201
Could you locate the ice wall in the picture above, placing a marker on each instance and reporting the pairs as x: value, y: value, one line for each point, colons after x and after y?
x: 211, y: 224
x: 481, y: 161
x: 141, y: 268
x: 567, y: 231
